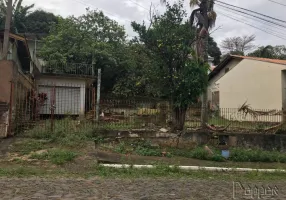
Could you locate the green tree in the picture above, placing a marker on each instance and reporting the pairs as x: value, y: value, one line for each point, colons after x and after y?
x: 92, y: 38
x: 39, y: 22
x: 18, y: 16
x: 273, y: 52
x: 214, y: 51
x: 182, y: 78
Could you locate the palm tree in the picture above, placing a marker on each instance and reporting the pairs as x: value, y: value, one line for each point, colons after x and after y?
x: 18, y: 16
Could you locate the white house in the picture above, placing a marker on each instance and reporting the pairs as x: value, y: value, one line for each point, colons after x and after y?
x: 260, y: 82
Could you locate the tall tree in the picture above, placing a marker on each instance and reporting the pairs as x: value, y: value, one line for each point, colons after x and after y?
x: 19, y: 14
x: 39, y: 22
x: 206, y: 18
x: 90, y: 38
x: 273, y: 52
x: 182, y: 78
x: 238, y: 45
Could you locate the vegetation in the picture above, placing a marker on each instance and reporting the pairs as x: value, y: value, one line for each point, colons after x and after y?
x: 56, y: 156
x: 248, y: 155
x: 66, y: 132
x: 238, y: 45
x: 26, y: 21
x: 178, y: 77
x: 145, y: 148
x: 273, y: 52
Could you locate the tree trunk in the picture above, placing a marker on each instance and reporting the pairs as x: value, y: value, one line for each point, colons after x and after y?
x: 179, y: 118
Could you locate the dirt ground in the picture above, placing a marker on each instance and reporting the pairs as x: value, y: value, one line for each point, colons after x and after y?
x: 124, y: 189
x: 162, y: 188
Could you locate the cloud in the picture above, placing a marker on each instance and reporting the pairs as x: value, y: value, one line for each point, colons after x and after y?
x: 125, y: 11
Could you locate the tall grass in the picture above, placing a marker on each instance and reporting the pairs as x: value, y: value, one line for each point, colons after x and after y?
x: 66, y: 132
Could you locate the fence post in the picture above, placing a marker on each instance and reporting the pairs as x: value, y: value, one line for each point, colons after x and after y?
x: 98, y: 94
x: 53, y: 94
x: 11, y: 108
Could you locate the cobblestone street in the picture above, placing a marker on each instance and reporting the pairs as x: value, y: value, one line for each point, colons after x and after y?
x: 125, y: 189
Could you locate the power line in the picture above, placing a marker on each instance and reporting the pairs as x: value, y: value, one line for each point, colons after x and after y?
x: 138, y: 4
x: 251, y: 11
x: 284, y: 26
x: 236, y: 16
x: 256, y: 20
x: 277, y: 3
x: 252, y: 25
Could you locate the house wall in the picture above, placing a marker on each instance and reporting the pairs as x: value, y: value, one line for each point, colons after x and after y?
x: 255, y: 82
x: 38, y: 61
x: 213, y: 84
x: 66, y: 82
x: 7, y: 72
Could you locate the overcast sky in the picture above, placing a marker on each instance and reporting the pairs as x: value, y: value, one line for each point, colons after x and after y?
x: 125, y: 11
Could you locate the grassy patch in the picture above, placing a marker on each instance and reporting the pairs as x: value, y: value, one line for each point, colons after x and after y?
x: 244, y: 155
x: 67, y: 132
x: 27, y: 146
x: 174, y: 172
x: 56, y: 156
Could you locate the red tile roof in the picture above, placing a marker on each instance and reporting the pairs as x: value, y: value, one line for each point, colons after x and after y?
x: 276, y: 61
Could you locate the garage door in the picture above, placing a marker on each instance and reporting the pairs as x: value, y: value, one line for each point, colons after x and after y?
x: 67, y: 100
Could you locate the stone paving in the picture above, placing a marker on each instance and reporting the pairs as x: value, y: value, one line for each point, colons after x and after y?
x: 141, y: 189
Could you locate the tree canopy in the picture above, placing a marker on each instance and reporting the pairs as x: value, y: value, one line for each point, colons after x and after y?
x: 26, y: 21
x: 273, y: 52
x: 238, y: 45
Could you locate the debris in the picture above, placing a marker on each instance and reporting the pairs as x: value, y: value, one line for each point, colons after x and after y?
x: 246, y: 109
x: 163, y: 130
x: 213, y: 128
x: 210, y: 152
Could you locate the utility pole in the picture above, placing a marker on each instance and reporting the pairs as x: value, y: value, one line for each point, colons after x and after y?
x: 98, y: 94
x: 7, y: 29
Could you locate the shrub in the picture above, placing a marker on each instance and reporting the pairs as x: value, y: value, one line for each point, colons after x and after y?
x: 200, y: 153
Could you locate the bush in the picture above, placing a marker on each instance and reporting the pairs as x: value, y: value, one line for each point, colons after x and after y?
x: 200, y: 153
x: 56, y: 156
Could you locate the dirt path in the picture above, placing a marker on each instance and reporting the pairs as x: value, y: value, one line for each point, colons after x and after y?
x: 124, y: 189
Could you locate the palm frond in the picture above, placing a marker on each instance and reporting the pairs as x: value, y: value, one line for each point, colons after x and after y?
x: 212, y: 18
x: 194, y: 3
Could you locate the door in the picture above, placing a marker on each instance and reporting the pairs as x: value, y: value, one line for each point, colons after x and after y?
x: 66, y: 100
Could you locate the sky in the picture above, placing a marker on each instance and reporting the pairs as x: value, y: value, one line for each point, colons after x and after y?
x: 125, y: 11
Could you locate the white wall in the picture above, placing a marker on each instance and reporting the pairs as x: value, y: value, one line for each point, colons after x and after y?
x: 258, y: 83
x: 66, y: 82
x: 214, y: 84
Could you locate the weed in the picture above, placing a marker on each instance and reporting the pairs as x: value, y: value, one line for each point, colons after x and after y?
x: 175, y: 172
x: 27, y: 146
x: 257, y: 155
x: 56, y: 156
x: 200, y: 153
x: 66, y: 132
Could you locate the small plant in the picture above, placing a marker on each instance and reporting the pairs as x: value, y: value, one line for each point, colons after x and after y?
x: 200, y: 153
x: 56, y: 156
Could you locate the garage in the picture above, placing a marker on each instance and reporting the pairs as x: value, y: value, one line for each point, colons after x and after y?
x: 66, y: 100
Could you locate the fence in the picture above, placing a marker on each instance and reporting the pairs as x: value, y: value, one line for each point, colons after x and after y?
x: 60, y: 106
